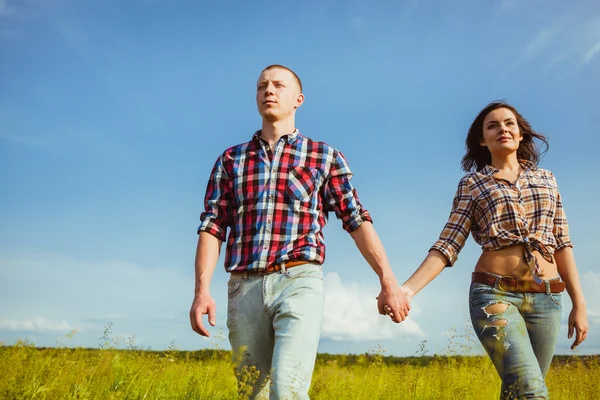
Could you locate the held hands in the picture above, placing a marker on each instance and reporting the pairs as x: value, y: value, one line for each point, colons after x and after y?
x: 394, y: 300
x: 578, y: 322
x: 203, y: 304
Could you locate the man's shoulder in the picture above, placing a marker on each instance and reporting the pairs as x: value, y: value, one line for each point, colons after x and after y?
x: 322, y: 146
x: 236, y: 150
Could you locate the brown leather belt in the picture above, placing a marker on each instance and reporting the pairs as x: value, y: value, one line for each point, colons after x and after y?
x: 270, y: 270
x: 510, y: 284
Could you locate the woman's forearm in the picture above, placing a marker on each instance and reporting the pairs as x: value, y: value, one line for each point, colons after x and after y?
x: 431, y: 267
x: 567, y: 269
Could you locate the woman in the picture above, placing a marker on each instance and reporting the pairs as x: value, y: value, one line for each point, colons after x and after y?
x: 514, y: 211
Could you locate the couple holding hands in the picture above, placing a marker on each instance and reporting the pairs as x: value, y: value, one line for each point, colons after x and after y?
x: 274, y: 194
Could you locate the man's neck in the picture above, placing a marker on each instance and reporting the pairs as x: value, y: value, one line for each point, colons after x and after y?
x: 272, y: 131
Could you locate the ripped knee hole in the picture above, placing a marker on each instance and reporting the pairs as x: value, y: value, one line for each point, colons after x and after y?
x: 495, y: 309
x: 500, y: 322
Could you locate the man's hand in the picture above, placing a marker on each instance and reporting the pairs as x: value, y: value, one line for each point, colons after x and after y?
x: 578, y: 322
x: 393, y: 301
x: 203, y: 304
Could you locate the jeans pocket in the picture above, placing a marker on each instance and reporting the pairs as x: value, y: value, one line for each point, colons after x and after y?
x: 556, y: 299
x: 233, y: 288
x: 481, y: 294
x: 305, y: 271
x: 480, y: 288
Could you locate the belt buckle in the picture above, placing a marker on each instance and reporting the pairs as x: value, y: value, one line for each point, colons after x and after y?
x: 509, y: 278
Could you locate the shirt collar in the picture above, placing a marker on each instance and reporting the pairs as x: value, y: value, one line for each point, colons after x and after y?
x: 525, y: 164
x: 289, y: 138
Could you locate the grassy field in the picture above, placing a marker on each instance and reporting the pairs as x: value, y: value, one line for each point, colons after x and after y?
x: 27, y: 372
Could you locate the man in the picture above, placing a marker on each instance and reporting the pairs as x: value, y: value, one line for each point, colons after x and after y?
x: 274, y: 193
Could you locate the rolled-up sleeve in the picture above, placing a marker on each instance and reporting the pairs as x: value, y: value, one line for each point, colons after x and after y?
x: 456, y: 231
x: 217, y: 203
x: 560, y: 229
x: 341, y: 197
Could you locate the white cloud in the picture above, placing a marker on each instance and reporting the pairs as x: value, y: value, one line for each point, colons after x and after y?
x: 539, y: 42
x: 504, y: 5
x: 37, y: 324
x: 592, y: 52
x: 351, y: 314
x: 151, y: 302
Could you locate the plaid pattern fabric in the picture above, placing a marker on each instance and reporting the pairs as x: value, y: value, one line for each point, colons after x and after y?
x: 276, y: 201
x: 500, y: 214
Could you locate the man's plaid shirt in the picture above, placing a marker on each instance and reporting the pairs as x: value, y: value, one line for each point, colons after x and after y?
x: 500, y: 214
x: 276, y: 201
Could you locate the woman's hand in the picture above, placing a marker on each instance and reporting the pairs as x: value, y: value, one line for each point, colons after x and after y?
x: 578, y: 324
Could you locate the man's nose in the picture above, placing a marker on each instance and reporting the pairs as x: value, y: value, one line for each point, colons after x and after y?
x: 270, y: 89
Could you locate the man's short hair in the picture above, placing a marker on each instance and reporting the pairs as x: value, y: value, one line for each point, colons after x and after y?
x: 277, y: 66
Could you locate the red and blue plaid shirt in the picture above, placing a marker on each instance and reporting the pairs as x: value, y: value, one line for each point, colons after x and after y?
x: 276, y: 201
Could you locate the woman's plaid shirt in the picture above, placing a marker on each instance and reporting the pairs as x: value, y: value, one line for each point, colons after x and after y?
x: 276, y: 202
x: 500, y: 214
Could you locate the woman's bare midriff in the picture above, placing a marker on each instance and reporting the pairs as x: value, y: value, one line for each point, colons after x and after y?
x: 510, y: 261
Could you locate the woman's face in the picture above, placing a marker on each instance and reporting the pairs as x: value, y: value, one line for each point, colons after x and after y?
x: 501, y: 133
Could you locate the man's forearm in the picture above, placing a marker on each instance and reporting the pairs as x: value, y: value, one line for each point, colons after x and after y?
x: 371, y: 248
x: 207, y: 254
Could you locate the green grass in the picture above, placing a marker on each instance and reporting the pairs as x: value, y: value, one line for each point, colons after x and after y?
x: 27, y: 372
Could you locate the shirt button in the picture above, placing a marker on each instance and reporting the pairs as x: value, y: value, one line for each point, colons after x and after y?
x: 265, y: 247
x: 271, y: 195
x: 268, y: 147
x: 268, y: 222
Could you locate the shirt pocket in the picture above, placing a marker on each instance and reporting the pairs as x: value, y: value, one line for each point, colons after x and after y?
x: 543, y: 196
x: 302, y: 182
x: 492, y: 198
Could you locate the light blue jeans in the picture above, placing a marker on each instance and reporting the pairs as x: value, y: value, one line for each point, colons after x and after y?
x: 274, y: 326
x: 520, y: 340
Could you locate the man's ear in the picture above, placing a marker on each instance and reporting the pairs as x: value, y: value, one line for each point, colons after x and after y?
x: 299, y: 100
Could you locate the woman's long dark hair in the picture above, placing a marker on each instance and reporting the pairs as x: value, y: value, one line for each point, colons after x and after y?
x: 479, y: 156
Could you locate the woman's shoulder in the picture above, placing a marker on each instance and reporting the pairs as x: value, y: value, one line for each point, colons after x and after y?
x: 473, y: 178
x: 542, y: 173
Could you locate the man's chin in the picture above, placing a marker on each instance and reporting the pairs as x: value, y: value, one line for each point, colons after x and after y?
x: 270, y: 116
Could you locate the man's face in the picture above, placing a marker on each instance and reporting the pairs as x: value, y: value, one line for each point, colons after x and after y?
x: 277, y: 94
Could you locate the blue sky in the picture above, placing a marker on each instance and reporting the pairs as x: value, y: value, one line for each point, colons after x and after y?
x: 112, y: 114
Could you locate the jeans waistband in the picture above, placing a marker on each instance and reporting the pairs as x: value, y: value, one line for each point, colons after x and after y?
x: 276, y: 268
x: 510, y: 284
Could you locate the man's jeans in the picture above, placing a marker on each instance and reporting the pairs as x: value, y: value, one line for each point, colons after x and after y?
x: 520, y: 340
x: 274, y: 326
